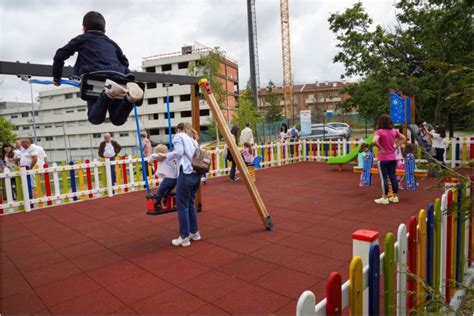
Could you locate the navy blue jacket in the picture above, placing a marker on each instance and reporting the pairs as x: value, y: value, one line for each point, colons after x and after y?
x: 95, y: 52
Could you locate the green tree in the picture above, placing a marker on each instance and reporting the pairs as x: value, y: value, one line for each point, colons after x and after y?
x: 428, y: 54
x: 274, y: 112
x: 6, y: 131
x: 247, y: 112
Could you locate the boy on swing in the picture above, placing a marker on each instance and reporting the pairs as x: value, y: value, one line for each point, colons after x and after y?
x: 98, y: 52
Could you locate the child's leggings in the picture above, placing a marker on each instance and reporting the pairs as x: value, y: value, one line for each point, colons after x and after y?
x: 119, y: 110
x: 166, y: 186
x: 387, y: 169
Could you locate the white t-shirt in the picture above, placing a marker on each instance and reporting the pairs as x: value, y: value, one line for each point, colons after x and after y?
x: 283, y: 136
x: 109, y: 150
x: 27, y: 156
x: 246, y: 136
x: 166, y: 168
x: 438, y: 142
x: 41, y: 155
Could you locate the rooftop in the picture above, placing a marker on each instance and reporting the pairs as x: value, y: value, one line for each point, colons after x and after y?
x: 107, y: 256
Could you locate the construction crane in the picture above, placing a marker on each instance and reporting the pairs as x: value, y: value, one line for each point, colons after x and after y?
x: 253, y: 49
x: 286, y: 58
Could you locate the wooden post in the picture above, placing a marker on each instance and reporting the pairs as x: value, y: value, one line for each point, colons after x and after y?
x: 232, y: 146
x: 196, y: 122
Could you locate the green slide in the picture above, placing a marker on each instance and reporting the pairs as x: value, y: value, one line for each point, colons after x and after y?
x: 351, y: 156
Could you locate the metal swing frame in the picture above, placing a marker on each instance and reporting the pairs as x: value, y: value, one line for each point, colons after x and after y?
x: 28, y: 69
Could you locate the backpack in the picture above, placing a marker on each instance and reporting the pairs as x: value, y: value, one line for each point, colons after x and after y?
x: 294, y: 133
x: 201, y: 161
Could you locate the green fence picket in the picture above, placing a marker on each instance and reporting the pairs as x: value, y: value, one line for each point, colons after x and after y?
x: 389, y: 275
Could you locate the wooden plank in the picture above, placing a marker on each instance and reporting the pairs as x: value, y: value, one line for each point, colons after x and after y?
x: 374, y: 280
x: 401, y: 256
x: 421, y: 271
x: 333, y: 294
x: 389, y: 275
x: 356, y: 297
x: 437, y: 246
x: 196, y: 123
x: 399, y: 172
x: 412, y: 268
x: 232, y: 146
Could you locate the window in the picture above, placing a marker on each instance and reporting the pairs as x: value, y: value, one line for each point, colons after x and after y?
x: 35, y: 113
x: 183, y: 65
x: 69, y: 111
x: 172, y: 130
x: 48, y: 126
x: 186, y: 114
x: 78, y: 94
x: 153, y: 101
x: 167, y: 85
x: 171, y: 99
x: 155, y: 116
x: 24, y: 114
x: 68, y: 96
x: 38, y: 139
x: 204, y: 112
x: 203, y: 128
x: 166, y: 67
x: 16, y: 128
x: 81, y: 110
x: 49, y: 138
x: 185, y: 97
x: 318, y: 131
x: 26, y: 128
x: 58, y: 125
x: 171, y: 115
x: 123, y: 134
x: 150, y: 69
x: 14, y: 116
x: 154, y: 131
x: 96, y: 135
x: 151, y: 85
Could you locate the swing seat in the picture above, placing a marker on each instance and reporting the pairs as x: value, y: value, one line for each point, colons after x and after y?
x: 168, y: 206
x: 92, y: 83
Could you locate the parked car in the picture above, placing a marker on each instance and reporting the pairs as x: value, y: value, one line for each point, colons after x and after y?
x: 341, y: 126
x: 320, y: 131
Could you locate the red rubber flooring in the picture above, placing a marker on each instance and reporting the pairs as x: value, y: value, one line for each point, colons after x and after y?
x: 106, y: 256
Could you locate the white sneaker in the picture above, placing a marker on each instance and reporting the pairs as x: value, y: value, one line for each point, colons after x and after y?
x: 394, y: 199
x: 114, y: 90
x: 196, y: 236
x: 383, y: 201
x: 184, y: 242
x: 134, y: 92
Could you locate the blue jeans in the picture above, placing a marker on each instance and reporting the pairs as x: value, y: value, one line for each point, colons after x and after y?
x: 387, y: 168
x: 187, y: 187
x: 119, y: 109
x: 166, y: 186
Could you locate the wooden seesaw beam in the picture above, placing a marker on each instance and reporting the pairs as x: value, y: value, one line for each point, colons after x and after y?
x: 232, y: 146
x: 400, y: 172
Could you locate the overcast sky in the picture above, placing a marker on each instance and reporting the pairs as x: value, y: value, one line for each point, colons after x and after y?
x: 32, y: 30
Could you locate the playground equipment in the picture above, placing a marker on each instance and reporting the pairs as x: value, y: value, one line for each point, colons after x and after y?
x: 366, y: 177
x: 351, y: 156
x: 27, y: 69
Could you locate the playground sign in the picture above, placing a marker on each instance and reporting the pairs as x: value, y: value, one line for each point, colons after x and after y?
x: 400, y: 108
x: 305, y: 122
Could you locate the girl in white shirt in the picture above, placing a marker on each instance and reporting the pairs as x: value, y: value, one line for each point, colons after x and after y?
x: 187, y: 185
x: 438, y: 141
x: 167, y: 172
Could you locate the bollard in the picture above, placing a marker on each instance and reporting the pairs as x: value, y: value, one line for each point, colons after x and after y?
x: 362, y: 241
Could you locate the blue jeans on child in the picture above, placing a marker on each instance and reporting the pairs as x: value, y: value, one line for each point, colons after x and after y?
x: 187, y: 187
x: 166, y: 186
x: 387, y: 168
x: 119, y: 109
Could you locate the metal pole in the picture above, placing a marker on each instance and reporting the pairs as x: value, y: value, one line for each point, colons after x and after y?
x: 33, y: 112
x: 253, y: 71
x: 169, y: 117
x: 65, y: 144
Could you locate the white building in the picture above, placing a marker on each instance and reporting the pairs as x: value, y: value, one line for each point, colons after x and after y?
x: 65, y: 133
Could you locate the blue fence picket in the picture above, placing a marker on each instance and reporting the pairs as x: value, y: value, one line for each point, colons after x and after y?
x: 374, y: 280
x: 73, y: 180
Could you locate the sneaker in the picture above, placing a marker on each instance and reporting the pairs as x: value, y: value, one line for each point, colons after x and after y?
x: 195, y: 236
x: 134, y: 92
x: 234, y: 179
x: 394, y: 199
x: 184, y: 242
x: 114, y: 90
x: 383, y: 201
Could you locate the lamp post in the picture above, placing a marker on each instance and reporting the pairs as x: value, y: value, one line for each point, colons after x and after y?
x: 27, y: 79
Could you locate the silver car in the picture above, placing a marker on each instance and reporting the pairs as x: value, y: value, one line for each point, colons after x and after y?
x: 341, y: 126
x: 320, y: 131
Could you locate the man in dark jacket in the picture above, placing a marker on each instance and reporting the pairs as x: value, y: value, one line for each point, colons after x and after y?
x: 98, y: 52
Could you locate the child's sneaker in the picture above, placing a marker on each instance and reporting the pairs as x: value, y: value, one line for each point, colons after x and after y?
x: 114, y: 90
x: 383, y: 201
x: 195, y: 236
x: 234, y: 179
x: 184, y: 242
x: 394, y: 199
x: 134, y: 92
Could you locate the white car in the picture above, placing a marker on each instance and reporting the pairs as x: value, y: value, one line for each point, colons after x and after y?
x: 320, y: 131
x: 341, y: 126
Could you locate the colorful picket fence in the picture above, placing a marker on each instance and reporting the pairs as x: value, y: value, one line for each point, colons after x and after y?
x: 77, y: 181
x: 431, y: 260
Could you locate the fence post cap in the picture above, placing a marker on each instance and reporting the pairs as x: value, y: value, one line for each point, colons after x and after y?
x: 365, y: 235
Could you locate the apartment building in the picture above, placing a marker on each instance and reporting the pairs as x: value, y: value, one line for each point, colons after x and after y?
x: 61, y: 115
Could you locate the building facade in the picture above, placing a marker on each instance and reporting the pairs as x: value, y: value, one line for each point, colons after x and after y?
x: 318, y: 97
x: 61, y: 115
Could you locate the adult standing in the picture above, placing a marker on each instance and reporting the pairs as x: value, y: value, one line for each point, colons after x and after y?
x: 146, y: 145
x: 10, y: 159
x: 233, y: 168
x: 438, y: 141
x: 108, y: 149
x: 187, y: 185
x: 30, y: 157
x: 18, y: 149
x: 385, y: 139
x: 246, y: 135
x: 283, y: 133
